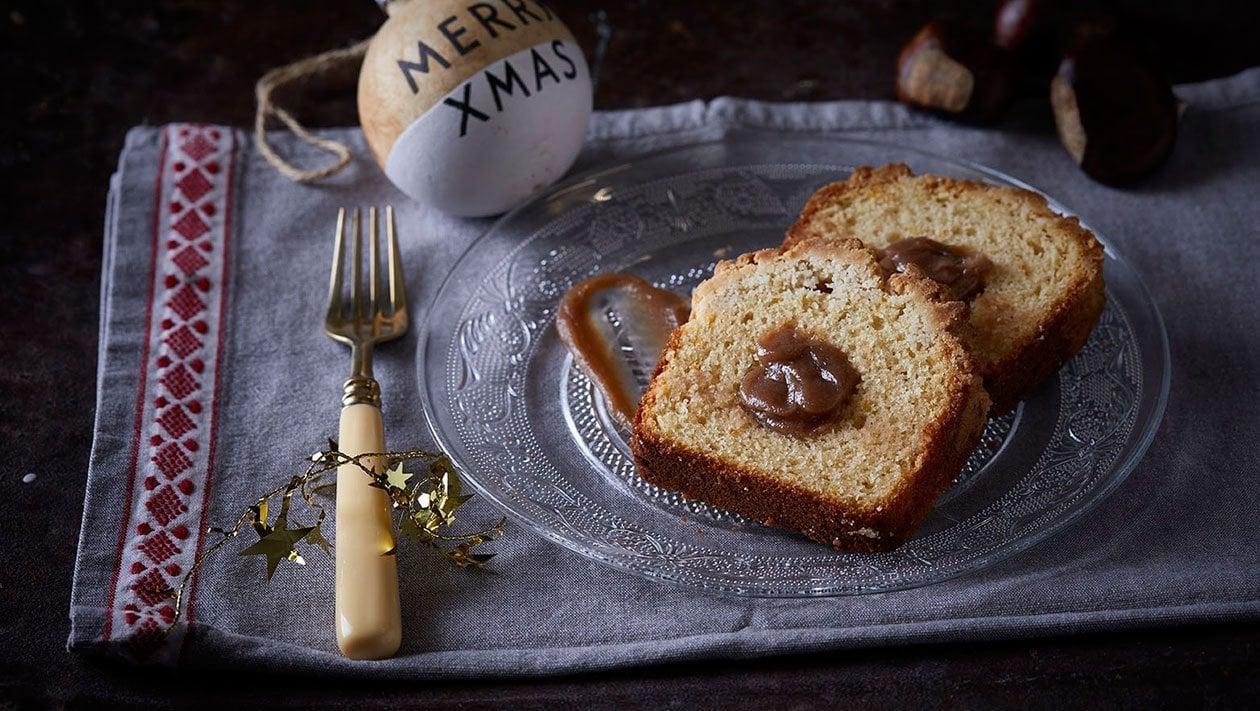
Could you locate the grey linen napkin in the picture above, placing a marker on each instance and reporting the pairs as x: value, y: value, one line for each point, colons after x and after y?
x: 215, y: 382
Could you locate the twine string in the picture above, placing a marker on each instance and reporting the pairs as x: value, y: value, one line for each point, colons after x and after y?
x: 282, y: 76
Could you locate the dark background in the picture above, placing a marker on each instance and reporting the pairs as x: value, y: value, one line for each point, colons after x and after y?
x: 76, y: 75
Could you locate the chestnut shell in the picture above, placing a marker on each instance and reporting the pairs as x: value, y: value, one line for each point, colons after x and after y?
x: 1115, y: 113
x: 993, y: 71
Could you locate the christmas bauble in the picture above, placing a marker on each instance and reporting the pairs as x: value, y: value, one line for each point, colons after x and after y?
x: 473, y: 107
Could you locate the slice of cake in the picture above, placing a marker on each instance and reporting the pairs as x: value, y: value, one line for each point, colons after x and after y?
x: 810, y: 390
x: 1039, y: 288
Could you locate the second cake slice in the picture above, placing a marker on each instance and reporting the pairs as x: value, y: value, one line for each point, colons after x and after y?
x: 1041, y: 290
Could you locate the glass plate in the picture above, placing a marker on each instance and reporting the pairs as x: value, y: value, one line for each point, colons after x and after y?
x: 503, y: 397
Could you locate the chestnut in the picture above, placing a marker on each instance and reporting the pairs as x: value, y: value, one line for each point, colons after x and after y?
x: 1020, y: 23
x: 1028, y: 29
x: 956, y: 71
x: 1116, y: 115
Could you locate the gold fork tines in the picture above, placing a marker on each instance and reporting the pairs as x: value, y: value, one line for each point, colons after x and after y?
x: 368, y: 616
x: 365, y: 323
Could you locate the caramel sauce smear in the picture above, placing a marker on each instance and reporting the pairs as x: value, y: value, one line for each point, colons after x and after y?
x: 616, y: 326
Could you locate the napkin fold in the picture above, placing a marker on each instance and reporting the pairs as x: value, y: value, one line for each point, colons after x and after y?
x: 215, y: 383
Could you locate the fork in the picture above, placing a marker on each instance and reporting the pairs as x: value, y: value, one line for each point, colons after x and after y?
x: 368, y: 619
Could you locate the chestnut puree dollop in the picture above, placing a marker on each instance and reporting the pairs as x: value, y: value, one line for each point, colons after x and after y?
x: 799, y: 384
x: 960, y: 272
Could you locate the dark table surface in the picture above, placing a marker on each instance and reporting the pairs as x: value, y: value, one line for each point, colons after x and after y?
x: 77, y: 74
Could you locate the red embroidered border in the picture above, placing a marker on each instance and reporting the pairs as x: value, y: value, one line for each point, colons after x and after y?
x: 214, y: 415
x: 176, y: 412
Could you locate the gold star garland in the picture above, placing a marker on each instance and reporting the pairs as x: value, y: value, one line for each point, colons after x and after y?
x: 425, y: 510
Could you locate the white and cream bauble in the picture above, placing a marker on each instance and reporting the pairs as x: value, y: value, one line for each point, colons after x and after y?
x: 471, y: 107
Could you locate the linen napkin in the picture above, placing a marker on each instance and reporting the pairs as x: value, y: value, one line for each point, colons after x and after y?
x: 215, y: 383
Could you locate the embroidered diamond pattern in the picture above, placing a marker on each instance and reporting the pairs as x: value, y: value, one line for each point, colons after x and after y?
x: 194, y: 185
x: 159, y: 547
x: 165, y: 505
x: 179, y: 382
x: 194, y: 194
x: 186, y: 303
x: 189, y: 260
x: 197, y: 147
x: 145, y: 639
x: 181, y: 341
x: 151, y: 587
x: 172, y: 460
x: 178, y: 424
x: 191, y: 226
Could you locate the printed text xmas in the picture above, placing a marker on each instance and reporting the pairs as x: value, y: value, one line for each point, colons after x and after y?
x: 505, y: 79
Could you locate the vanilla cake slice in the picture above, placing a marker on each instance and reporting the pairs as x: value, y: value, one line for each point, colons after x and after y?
x: 888, y: 405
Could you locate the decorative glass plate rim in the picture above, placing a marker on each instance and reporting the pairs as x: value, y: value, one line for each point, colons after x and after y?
x: 1139, y: 439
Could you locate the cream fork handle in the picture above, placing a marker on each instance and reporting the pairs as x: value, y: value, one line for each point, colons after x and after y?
x: 369, y: 623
